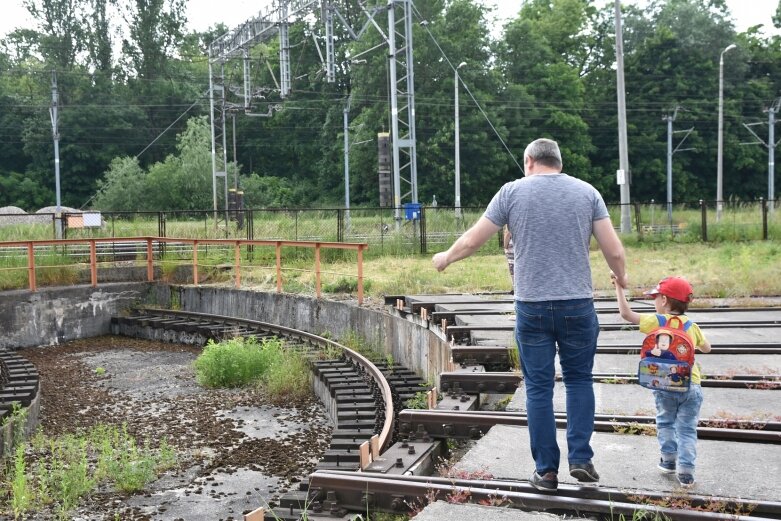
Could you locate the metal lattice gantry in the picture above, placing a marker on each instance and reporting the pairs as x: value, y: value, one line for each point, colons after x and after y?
x: 402, y: 94
x: 274, y: 19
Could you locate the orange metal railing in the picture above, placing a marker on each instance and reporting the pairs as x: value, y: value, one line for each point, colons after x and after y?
x: 237, y: 244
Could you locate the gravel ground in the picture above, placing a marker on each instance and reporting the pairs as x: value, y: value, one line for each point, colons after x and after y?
x: 237, y: 450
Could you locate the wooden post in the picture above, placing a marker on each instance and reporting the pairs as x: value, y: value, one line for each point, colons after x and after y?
x: 317, y: 269
x: 364, y: 455
x: 150, y: 268
x: 256, y: 515
x: 374, y: 444
x: 31, y: 266
x: 360, y: 275
x: 704, y: 210
x: 237, y: 264
x: 195, y: 262
x: 93, y: 263
x: 279, y: 267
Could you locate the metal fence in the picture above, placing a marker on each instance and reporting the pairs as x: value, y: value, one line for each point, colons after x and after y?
x: 419, y: 229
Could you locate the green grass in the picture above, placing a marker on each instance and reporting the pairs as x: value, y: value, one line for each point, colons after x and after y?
x: 239, y: 362
x: 53, y: 474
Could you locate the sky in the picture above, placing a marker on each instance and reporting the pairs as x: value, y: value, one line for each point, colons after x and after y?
x: 204, y: 13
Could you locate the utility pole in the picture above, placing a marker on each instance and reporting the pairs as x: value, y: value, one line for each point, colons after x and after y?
x: 670, y: 120
x: 720, y: 137
x: 623, y: 176
x: 458, y: 147
x: 771, y: 150
x: 347, y: 164
x: 771, y: 154
x: 56, y: 136
x: 670, y: 151
x: 235, y: 158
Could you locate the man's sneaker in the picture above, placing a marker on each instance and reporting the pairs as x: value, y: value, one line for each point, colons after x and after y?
x: 547, y: 482
x: 668, y: 467
x: 584, y: 472
x: 686, y: 480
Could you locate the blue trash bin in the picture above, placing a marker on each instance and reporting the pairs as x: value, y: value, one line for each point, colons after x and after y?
x: 412, y: 211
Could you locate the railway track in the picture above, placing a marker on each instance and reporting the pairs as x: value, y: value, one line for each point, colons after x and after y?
x: 399, y: 450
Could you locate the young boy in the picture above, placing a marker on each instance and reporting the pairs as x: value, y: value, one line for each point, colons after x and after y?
x: 677, y: 413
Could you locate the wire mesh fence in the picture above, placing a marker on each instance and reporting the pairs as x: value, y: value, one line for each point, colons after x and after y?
x: 392, y: 231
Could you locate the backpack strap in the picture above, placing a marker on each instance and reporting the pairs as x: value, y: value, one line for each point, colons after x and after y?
x: 683, y: 326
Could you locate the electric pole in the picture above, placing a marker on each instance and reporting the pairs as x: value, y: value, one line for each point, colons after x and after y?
x: 623, y: 176
x: 771, y: 154
x: 670, y: 151
x: 56, y: 136
x: 771, y: 150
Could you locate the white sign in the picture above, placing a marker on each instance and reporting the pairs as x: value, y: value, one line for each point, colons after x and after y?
x: 620, y: 177
x: 92, y: 219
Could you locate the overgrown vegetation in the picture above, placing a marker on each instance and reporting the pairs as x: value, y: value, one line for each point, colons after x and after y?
x: 239, y: 362
x: 53, y: 474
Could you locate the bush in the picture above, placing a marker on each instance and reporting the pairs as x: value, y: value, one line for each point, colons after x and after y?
x: 236, y: 362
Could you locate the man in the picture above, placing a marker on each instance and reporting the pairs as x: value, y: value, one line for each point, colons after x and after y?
x: 552, y: 217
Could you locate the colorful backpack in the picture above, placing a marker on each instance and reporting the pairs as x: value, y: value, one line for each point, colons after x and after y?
x: 667, y: 356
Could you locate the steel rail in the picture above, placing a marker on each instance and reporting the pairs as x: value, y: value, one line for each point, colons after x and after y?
x: 760, y: 348
x: 392, y: 493
x: 385, y: 435
x: 508, y: 381
x: 474, y: 424
x: 464, y: 330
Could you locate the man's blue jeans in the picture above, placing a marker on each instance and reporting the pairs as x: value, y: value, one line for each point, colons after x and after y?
x: 676, y: 426
x: 539, y: 328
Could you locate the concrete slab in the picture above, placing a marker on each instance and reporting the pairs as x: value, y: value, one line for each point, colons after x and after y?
x: 630, y: 399
x: 440, y: 510
x: 460, y: 307
x: 629, y: 462
x: 716, y: 336
x: 710, y: 363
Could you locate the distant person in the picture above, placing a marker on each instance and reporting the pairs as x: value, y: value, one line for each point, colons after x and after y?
x: 552, y: 217
x: 677, y: 413
x: 509, y: 254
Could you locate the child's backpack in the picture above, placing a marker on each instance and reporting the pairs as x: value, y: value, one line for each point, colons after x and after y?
x: 667, y: 356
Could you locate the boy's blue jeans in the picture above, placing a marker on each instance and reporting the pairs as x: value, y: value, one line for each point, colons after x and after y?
x: 539, y: 328
x: 676, y: 426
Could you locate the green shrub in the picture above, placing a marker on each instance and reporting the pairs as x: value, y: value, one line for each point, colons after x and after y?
x: 236, y: 362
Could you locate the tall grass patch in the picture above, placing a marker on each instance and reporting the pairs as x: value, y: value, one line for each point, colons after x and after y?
x: 239, y: 362
x: 234, y: 363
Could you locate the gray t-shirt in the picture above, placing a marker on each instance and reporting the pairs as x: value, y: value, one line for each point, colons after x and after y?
x: 550, y: 217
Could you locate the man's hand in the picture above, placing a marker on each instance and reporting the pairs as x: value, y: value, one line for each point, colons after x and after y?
x: 622, y: 281
x: 440, y: 261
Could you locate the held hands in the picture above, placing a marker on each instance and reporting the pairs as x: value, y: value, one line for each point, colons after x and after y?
x: 619, y: 282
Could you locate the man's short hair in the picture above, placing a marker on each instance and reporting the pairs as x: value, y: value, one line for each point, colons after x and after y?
x: 544, y: 151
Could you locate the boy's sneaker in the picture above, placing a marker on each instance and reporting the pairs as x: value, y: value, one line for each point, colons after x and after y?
x: 686, y: 480
x: 584, y: 472
x: 668, y: 467
x: 548, y: 482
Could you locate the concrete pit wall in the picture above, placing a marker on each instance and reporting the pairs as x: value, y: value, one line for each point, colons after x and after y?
x: 408, y: 340
x: 55, y: 315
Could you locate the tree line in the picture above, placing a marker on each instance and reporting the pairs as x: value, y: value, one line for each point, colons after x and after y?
x: 133, y: 82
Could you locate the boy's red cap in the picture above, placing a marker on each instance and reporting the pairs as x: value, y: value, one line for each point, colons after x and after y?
x: 673, y: 287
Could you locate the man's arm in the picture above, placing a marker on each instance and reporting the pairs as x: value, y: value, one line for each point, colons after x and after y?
x: 467, y: 244
x: 623, y: 306
x: 612, y: 249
